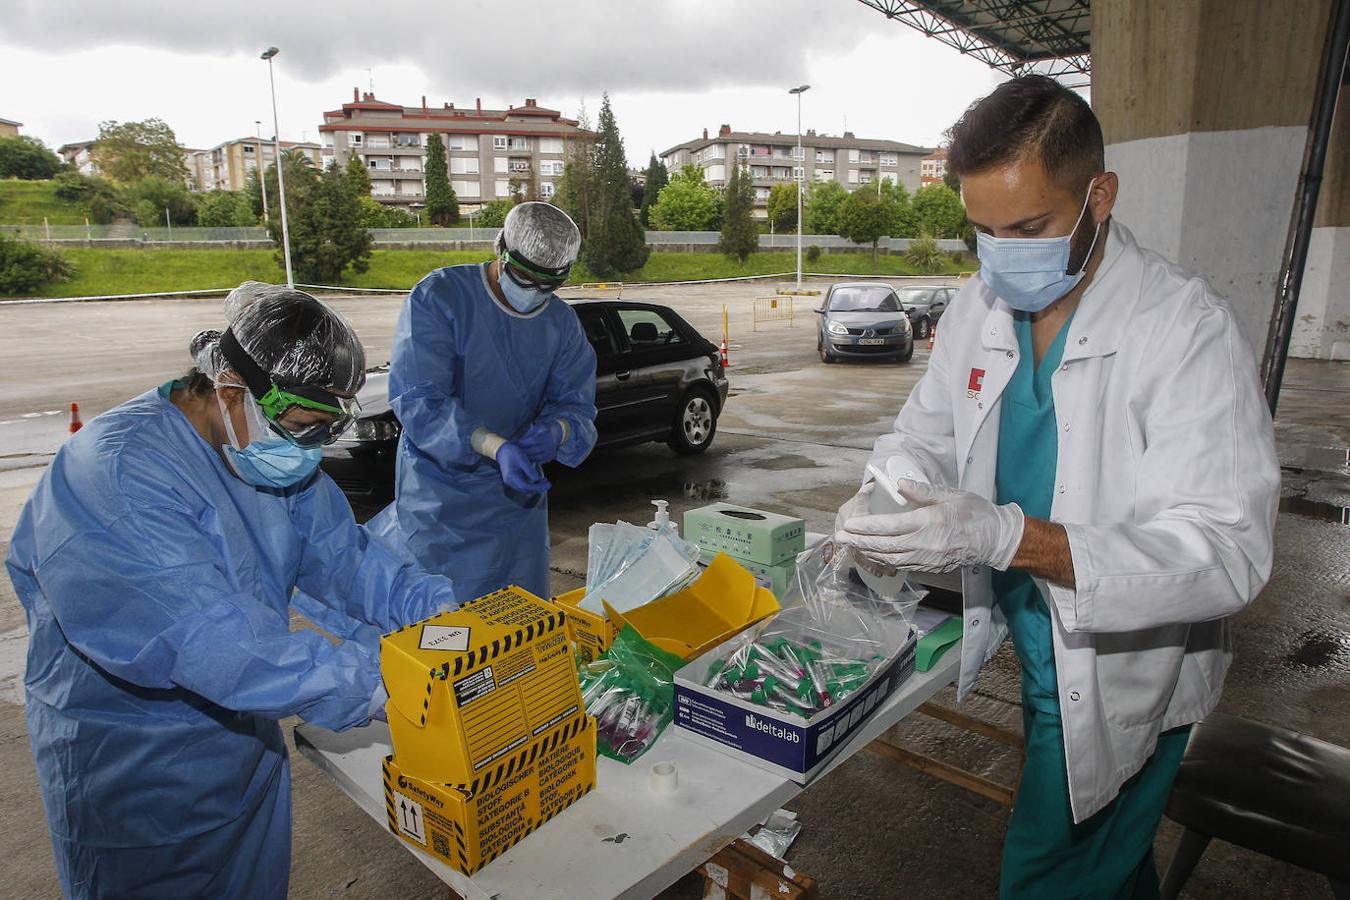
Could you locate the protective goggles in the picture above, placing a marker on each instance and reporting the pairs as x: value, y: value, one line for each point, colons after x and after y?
x: 276, y: 401
x: 532, y: 276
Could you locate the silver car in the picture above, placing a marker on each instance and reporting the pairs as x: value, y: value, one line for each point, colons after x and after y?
x: 863, y: 320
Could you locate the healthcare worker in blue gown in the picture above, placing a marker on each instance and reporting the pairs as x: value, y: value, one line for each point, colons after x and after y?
x: 491, y: 377
x: 156, y: 561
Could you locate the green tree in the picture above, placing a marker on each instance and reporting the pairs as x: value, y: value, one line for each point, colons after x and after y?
x: 938, y: 210
x: 953, y: 181
x: 27, y: 158
x: 327, y: 236
x: 740, y: 237
x: 128, y: 152
x: 150, y: 197
x: 823, y: 202
x: 865, y: 218
x: 223, y: 209
x: 904, y: 223
x: 493, y: 215
x: 686, y: 203
x: 576, y: 189
x: 442, y: 204
x: 783, y: 206
x: 615, y: 242
x: 26, y: 267
x: 358, y: 176
x: 657, y: 178
x: 301, y: 178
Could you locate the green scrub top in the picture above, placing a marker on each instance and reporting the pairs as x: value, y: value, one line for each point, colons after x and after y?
x: 1044, y: 853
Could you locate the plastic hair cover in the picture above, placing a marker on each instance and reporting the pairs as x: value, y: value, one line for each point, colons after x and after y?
x: 542, y: 234
x: 298, y: 340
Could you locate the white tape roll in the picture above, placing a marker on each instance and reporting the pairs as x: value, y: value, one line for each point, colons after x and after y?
x: 663, y: 779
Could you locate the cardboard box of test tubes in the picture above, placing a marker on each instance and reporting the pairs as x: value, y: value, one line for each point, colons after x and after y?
x: 474, y: 686
x: 795, y: 746
x: 468, y: 826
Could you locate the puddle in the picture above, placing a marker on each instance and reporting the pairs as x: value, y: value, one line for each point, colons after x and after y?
x: 786, y: 462
x: 1319, y: 649
x: 1315, y: 509
x: 1328, y: 457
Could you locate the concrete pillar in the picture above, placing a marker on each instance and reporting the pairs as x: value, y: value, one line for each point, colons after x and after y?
x: 1322, y: 329
x: 1205, y: 106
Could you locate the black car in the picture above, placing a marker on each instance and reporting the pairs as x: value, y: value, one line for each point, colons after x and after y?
x: 657, y: 379
x: 863, y: 320
x: 925, y: 304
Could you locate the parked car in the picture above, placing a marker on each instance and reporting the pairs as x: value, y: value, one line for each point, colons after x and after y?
x: 657, y: 379
x: 863, y: 320
x: 924, y: 304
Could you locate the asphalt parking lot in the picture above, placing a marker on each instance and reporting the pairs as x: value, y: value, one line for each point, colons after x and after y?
x: 794, y: 437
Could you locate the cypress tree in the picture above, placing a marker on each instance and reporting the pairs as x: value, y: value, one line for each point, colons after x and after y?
x: 442, y: 204
x: 740, y: 238
x: 657, y: 178
x: 615, y: 242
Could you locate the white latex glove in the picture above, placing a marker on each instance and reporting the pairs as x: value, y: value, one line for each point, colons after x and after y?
x: 856, y: 506
x: 946, y: 530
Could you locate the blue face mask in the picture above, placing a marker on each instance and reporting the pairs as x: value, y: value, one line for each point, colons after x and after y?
x: 268, y: 460
x: 522, y: 299
x: 1031, y: 273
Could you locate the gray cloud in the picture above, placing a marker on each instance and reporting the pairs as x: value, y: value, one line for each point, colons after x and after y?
x: 511, y: 47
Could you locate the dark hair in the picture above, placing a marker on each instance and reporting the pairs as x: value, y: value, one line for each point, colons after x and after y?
x: 1031, y: 117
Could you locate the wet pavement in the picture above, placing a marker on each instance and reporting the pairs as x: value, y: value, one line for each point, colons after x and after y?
x: 793, y: 438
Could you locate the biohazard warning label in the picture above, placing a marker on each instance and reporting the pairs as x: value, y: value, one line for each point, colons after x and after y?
x: 408, y: 812
x: 454, y: 638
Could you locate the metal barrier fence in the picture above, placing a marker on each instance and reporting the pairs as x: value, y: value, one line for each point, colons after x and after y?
x: 196, y: 233
x: 57, y: 232
x: 772, y: 309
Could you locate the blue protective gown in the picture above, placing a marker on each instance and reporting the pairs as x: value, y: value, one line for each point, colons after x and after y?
x: 156, y: 586
x: 461, y: 361
x: 1044, y: 853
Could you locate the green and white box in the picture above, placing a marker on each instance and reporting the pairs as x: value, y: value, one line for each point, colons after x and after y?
x: 775, y: 578
x: 750, y: 535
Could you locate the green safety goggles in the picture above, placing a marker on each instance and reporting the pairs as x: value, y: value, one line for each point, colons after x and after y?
x: 539, y: 277
x: 276, y: 401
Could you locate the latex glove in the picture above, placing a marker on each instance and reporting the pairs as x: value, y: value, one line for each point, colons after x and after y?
x: 947, y: 529
x: 542, y: 440
x: 856, y: 506
x: 377, y: 702
x: 519, y: 472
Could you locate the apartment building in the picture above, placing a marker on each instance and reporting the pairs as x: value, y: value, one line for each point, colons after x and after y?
x: 226, y: 167
x: 490, y: 152
x: 80, y: 155
x: 933, y: 167
x: 850, y: 160
x: 9, y: 128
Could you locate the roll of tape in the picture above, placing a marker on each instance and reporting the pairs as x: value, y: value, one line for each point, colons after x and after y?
x: 664, y: 779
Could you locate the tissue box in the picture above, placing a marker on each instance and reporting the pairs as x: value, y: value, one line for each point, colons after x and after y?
x: 749, y: 534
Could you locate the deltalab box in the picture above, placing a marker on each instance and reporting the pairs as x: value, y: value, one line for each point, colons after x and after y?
x: 749, y: 534
x: 473, y: 686
x: 784, y: 744
x: 468, y: 826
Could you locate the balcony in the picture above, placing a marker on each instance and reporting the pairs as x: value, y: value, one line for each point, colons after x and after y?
x: 387, y: 150
x: 400, y: 173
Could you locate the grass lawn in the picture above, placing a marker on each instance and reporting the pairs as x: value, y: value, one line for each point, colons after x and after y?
x: 26, y: 202
x: 100, y: 271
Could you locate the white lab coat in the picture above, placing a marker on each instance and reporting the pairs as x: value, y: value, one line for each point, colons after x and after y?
x: 1167, y: 484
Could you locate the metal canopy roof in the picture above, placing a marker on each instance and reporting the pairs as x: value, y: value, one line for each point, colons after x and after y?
x: 1017, y: 36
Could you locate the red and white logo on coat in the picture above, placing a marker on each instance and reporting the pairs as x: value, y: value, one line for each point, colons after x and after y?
x: 976, y: 384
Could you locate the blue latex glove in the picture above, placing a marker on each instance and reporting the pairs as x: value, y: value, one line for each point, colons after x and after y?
x: 542, y: 441
x: 518, y: 471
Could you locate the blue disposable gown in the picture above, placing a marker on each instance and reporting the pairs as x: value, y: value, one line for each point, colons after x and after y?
x: 460, y: 362
x: 156, y: 586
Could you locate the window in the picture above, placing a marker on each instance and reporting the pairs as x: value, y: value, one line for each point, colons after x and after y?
x: 355, y: 138
x: 824, y: 174
x: 248, y: 149
x: 647, y: 329
x: 545, y: 189
x: 824, y: 156
x: 742, y: 152
x: 598, y: 331
x: 465, y: 188
x: 761, y: 193
x: 714, y: 173
x: 853, y: 156
x: 877, y: 298
x: 550, y: 145
x: 865, y: 178
x: 888, y: 159
x: 551, y: 167
x: 519, y: 143
x: 499, y: 142
x: 463, y: 165
x: 716, y: 151
x: 499, y: 164
x: 798, y: 174
x: 503, y: 187
x: 759, y: 171
x: 852, y: 176
x: 464, y: 142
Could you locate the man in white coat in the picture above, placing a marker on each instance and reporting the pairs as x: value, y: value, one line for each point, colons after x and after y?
x: 1091, y: 448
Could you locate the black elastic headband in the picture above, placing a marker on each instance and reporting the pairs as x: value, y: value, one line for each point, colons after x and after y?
x: 555, y: 271
x: 258, y: 381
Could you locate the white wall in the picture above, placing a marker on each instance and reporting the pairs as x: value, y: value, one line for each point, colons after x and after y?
x: 1322, y: 326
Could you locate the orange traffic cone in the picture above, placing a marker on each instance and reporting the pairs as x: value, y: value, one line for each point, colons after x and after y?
x: 932, y: 335
x: 76, y: 423
x: 726, y: 362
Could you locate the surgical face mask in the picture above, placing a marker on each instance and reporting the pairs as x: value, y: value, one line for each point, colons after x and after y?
x: 1031, y: 273
x: 267, y: 459
x: 522, y: 298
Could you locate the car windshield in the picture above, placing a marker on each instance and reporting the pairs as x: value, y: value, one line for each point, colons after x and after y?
x: 864, y: 300
x: 916, y: 296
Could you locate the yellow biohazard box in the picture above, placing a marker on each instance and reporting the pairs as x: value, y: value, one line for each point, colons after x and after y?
x: 724, y: 600
x: 468, y: 826
x: 470, y: 687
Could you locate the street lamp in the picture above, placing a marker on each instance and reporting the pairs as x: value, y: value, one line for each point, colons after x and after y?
x: 260, y: 169
x: 281, y: 178
x: 801, y: 176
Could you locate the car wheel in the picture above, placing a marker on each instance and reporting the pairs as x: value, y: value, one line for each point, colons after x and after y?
x: 921, y: 330
x: 695, y: 423
x: 825, y: 356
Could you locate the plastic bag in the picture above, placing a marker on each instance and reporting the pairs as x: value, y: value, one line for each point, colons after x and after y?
x: 630, y: 691
x: 842, y: 619
x: 628, y: 566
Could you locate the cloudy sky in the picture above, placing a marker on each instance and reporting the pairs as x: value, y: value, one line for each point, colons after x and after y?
x: 671, y: 68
